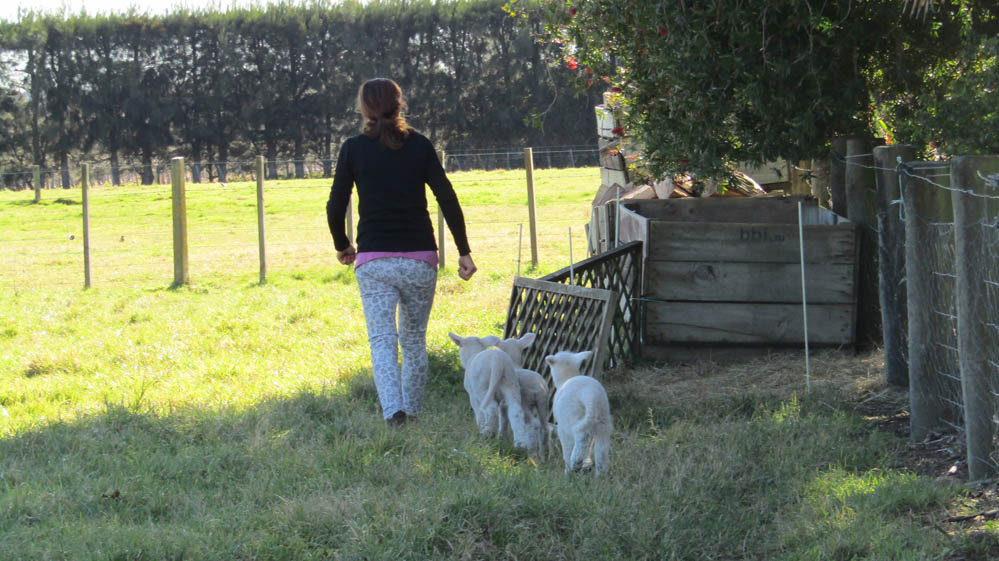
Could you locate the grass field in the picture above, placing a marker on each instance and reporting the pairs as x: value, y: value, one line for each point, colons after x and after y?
x: 233, y: 420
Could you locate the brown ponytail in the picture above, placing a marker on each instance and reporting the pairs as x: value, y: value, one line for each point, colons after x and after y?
x: 381, y: 105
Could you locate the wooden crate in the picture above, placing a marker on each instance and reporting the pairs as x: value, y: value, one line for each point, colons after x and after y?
x: 725, y: 274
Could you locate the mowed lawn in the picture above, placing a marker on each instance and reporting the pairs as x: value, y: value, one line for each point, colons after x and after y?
x: 230, y: 419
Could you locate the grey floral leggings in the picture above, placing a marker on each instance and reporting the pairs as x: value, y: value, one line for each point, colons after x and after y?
x: 407, y: 285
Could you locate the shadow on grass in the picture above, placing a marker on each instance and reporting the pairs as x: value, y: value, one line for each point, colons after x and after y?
x: 24, y: 203
x: 195, y: 482
x: 319, y: 475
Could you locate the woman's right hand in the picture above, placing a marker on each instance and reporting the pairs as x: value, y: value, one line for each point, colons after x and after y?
x: 466, y: 267
x: 346, y: 256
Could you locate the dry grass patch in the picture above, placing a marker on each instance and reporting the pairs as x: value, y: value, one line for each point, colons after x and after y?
x: 779, y: 376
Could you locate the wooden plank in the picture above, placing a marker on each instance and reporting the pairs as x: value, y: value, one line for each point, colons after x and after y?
x: 750, y: 282
x: 634, y: 227
x: 813, y: 215
x: 566, y: 289
x: 753, y: 243
x: 603, y: 234
x: 770, y: 210
x: 684, y: 322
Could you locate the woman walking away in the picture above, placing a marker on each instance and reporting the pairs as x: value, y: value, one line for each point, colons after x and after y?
x: 396, y: 256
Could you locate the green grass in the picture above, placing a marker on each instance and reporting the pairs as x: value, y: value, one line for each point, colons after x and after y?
x: 229, y: 419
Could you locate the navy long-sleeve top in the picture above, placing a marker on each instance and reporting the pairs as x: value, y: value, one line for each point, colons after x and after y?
x: 391, y: 196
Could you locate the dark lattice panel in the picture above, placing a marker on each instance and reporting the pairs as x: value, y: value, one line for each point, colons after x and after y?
x: 564, y: 318
x: 619, y: 270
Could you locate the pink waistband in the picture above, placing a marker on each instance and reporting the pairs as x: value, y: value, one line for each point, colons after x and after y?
x: 429, y: 256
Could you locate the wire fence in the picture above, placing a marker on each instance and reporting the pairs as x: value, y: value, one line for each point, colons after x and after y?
x: 236, y: 170
x: 130, y: 235
x: 949, y: 214
x: 513, y: 158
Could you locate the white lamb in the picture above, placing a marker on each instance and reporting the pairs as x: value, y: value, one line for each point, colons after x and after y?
x: 490, y: 381
x: 534, y: 392
x: 582, y: 413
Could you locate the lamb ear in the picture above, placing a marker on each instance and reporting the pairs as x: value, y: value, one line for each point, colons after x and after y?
x: 550, y: 360
x: 584, y: 356
x: 527, y: 339
x: 456, y: 338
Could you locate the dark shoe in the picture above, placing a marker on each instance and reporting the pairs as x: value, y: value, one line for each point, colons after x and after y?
x: 397, y: 419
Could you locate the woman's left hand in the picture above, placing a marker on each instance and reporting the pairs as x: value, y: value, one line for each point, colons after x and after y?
x: 466, y: 267
x: 346, y: 256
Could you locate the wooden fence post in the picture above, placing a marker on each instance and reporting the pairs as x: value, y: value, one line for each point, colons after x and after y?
x: 441, y: 238
x: 36, y: 177
x: 820, y: 181
x: 860, y: 187
x: 926, y: 404
x: 891, y: 260
x: 974, y: 347
x: 180, y: 265
x: 85, y: 184
x: 797, y: 173
x: 837, y: 175
x: 260, y: 219
x: 532, y: 218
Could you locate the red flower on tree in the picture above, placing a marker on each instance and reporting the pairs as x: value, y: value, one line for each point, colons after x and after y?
x: 572, y: 11
x: 663, y: 31
x: 617, y: 131
x: 571, y: 63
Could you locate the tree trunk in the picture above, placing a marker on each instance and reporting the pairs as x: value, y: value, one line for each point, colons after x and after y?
x: 210, y: 154
x: 223, y: 162
x: 196, y: 163
x: 271, y: 157
x: 115, y: 168
x: 147, y: 166
x: 327, y: 149
x: 67, y: 182
x: 299, y: 159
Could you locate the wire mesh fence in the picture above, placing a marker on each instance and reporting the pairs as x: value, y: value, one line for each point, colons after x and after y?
x: 952, y: 308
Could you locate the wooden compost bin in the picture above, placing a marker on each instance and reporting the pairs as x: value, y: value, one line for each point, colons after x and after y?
x: 722, y: 276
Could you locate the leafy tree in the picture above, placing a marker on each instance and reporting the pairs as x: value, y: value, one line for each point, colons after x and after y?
x: 956, y: 109
x: 281, y: 80
x: 64, y: 124
x: 104, y: 89
x: 707, y: 84
x: 15, y: 116
x: 26, y: 41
